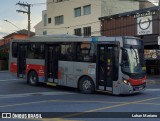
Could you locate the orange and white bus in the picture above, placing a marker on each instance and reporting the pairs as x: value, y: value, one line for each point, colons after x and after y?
x: 110, y: 64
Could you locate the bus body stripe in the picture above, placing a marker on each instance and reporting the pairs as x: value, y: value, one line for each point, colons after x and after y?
x: 136, y: 82
x: 13, y: 67
x: 38, y: 68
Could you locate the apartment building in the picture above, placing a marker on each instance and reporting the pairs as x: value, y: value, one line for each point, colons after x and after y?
x: 79, y: 17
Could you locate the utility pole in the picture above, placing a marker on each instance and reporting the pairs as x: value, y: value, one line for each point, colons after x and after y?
x: 27, y: 12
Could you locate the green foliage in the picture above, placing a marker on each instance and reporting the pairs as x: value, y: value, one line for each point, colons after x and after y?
x: 4, y: 56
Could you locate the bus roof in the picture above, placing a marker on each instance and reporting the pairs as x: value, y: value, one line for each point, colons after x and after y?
x: 70, y: 38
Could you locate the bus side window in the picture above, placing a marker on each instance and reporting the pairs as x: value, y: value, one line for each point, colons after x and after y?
x: 66, y: 52
x: 35, y: 51
x: 14, y: 49
x: 86, y: 52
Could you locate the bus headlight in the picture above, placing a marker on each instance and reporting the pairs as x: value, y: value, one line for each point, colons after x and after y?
x: 126, y: 82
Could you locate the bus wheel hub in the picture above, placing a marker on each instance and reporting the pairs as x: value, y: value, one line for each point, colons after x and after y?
x: 87, y: 84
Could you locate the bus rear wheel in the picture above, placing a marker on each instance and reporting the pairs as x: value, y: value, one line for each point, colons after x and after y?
x: 86, y: 85
x: 33, y: 78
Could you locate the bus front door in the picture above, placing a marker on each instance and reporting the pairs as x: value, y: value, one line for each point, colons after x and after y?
x: 51, y: 62
x: 21, y: 60
x: 105, y: 67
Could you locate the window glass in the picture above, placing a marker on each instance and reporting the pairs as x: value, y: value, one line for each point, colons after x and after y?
x: 86, y: 52
x: 87, y: 31
x: 67, y: 52
x: 35, y: 51
x: 44, y: 32
x: 87, y: 10
x: 59, y: 20
x: 45, y: 19
x: 77, y: 12
x: 49, y: 20
x: 14, y: 49
x: 77, y: 32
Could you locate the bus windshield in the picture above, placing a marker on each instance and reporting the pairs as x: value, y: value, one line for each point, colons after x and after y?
x: 132, y: 60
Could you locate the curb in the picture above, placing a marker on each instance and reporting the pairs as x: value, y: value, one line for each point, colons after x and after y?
x: 154, y: 80
x: 4, y: 71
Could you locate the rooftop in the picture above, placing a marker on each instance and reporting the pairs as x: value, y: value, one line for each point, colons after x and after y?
x: 23, y: 31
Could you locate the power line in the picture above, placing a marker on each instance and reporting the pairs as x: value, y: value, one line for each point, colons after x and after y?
x: 12, y: 24
x: 70, y: 26
x: 36, y: 4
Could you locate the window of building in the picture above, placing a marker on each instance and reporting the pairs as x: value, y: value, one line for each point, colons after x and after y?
x: 49, y: 20
x: 87, y: 10
x: 36, y: 51
x: 77, y: 12
x: 59, y: 20
x: 78, y: 32
x: 44, y: 32
x: 87, y: 31
x: 45, y: 20
x: 59, y: 1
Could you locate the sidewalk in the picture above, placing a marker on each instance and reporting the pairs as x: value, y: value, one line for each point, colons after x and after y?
x: 4, y: 71
x: 153, y: 79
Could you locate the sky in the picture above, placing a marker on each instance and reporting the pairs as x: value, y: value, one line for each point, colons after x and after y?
x: 8, y: 12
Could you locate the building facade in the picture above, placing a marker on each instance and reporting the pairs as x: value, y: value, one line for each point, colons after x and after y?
x: 4, y: 46
x: 21, y: 34
x: 143, y: 23
x: 79, y: 17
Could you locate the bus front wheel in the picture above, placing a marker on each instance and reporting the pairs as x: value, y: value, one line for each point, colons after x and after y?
x: 33, y: 78
x: 86, y: 85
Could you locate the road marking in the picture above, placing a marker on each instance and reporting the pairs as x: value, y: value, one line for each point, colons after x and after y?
x: 8, y: 80
x: 57, y: 119
x: 108, y: 107
x: 152, y: 90
x: 85, y: 112
x: 33, y: 94
x: 67, y: 101
x: 149, y: 103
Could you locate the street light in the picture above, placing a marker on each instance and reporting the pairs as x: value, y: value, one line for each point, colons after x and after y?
x: 12, y: 24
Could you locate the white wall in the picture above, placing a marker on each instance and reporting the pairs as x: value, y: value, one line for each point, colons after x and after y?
x: 111, y: 7
x: 66, y: 8
x: 39, y: 28
x: 99, y: 8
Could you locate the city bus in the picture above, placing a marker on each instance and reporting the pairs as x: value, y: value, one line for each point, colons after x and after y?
x: 108, y: 64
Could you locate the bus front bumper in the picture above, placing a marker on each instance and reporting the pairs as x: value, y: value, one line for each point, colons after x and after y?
x: 129, y: 89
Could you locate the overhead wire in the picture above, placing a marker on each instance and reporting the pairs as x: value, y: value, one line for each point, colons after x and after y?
x: 47, y: 3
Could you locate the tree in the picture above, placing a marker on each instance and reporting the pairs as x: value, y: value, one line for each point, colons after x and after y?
x: 4, y: 56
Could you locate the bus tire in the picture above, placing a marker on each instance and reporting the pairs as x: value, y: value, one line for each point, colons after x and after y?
x: 33, y: 78
x: 86, y: 85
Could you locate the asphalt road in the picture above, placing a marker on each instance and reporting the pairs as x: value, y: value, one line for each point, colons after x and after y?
x: 16, y: 96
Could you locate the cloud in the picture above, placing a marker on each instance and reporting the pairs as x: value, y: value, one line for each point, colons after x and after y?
x: 2, y: 34
x: 19, y: 19
x: 10, y: 27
